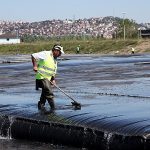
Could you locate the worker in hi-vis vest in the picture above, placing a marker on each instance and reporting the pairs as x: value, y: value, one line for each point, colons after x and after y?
x: 45, y: 66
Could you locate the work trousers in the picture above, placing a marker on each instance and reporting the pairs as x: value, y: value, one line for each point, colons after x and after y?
x: 47, y: 93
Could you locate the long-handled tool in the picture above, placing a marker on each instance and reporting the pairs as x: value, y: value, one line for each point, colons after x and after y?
x: 74, y: 103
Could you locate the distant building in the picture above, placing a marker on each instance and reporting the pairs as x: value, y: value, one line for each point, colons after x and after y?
x: 145, y: 33
x: 9, y: 39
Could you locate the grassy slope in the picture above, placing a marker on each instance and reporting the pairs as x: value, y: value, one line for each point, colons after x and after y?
x: 86, y: 46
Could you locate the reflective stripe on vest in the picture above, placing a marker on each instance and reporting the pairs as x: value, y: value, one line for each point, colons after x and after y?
x: 46, y: 68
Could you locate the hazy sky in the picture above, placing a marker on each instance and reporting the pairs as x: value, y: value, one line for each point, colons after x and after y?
x: 40, y: 10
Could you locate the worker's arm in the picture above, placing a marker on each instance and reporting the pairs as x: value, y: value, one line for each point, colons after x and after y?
x: 34, y: 64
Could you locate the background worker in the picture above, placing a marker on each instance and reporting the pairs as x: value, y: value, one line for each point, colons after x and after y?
x: 45, y: 66
x: 132, y: 50
x: 78, y: 49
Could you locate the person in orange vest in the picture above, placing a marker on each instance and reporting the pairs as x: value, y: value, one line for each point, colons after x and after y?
x: 45, y: 66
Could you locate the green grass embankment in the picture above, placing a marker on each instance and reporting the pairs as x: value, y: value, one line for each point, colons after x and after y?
x: 86, y: 46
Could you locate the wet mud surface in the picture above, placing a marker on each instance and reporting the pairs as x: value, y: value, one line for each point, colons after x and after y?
x: 113, y: 92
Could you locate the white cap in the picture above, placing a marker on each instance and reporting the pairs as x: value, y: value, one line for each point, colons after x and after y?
x: 60, y: 48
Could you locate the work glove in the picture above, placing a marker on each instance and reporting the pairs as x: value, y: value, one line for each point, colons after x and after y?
x: 53, y: 82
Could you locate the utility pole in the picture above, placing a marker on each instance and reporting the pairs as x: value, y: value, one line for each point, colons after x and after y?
x: 124, y: 29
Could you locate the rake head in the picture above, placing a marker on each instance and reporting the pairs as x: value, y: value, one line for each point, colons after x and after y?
x: 76, y: 105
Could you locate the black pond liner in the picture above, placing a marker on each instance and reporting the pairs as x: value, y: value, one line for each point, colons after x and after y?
x: 77, y: 136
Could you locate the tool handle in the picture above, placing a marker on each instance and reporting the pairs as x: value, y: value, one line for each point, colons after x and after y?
x: 63, y: 91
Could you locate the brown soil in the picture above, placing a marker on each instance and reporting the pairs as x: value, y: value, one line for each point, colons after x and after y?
x: 143, y: 46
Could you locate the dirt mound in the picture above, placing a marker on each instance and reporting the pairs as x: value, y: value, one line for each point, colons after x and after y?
x: 143, y: 46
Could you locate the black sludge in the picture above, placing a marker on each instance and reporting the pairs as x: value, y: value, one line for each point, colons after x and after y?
x: 65, y: 130
x: 78, y: 136
x: 113, y: 92
x: 4, y: 126
x: 57, y: 133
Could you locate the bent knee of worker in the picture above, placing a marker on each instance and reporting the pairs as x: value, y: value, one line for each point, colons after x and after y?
x: 48, y: 92
x: 49, y: 97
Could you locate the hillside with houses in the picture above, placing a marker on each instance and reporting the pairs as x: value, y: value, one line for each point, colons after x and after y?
x: 106, y: 27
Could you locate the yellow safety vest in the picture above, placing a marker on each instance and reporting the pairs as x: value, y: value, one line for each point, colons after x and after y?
x: 46, y: 68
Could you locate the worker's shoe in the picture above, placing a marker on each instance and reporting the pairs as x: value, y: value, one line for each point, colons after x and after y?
x: 41, y: 106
